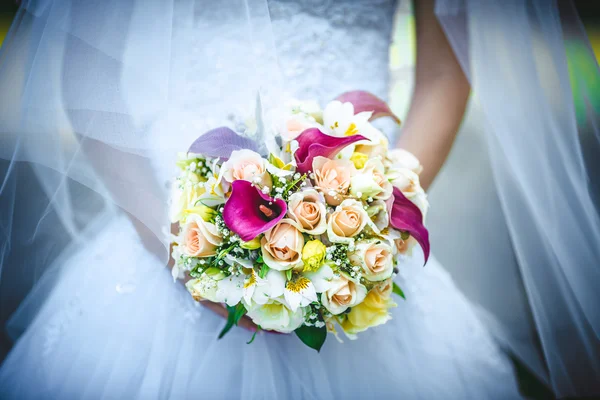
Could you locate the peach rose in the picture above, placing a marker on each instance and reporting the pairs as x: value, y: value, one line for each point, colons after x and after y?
x: 347, y: 221
x: 246, y: 165
x: 375, y: 258
x: 332, y: 178
x: 308, y: 210
x: 200, y: 238
x: 343, y: 294
x: 371, y: 182
x: 295, y: 125
x: 282, y: 246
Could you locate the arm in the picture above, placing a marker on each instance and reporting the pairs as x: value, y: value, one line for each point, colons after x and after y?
x: 439, y: 98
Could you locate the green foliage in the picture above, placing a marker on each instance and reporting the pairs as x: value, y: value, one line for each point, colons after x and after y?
x: 235, y: 314
x: 312, y: 336
x: 396, y: 289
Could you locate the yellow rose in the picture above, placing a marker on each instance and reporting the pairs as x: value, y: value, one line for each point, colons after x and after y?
x: 371, y: 312
x: 313, y: 255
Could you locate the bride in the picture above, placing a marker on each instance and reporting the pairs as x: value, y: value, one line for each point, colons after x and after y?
x: 105, y: 94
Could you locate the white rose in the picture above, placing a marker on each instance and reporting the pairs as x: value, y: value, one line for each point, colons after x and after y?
x: 401, y: 158
x: 342, y: 294
x: 375, y: 258
x: 205, y: 287
x: 408, y: 182
x: 276, y: 316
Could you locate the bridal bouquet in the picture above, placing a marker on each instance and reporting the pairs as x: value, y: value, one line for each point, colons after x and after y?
x: 305, y: 235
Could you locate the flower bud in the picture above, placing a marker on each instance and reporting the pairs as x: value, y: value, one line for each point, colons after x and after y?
x: 313, y: 255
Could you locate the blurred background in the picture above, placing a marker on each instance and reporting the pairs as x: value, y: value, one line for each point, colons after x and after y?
x: 472, y: 198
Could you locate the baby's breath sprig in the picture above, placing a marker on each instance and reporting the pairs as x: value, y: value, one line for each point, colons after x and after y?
x: 337, y: 254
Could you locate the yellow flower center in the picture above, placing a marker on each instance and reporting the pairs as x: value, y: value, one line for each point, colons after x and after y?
x: 352, y: 130
x: 251, y: 280
x: 298, y: 285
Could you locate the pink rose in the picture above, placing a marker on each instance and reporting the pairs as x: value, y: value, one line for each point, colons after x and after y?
x: 332, y: 178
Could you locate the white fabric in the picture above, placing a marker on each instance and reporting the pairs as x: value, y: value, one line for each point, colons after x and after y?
x: 120, y: 328
x: 106, y: 320
x: 532, y: 73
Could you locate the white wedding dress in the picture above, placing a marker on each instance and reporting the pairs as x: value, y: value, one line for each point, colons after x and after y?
x: 106, y: 320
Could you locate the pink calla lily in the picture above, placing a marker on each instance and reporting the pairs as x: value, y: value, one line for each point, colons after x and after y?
x: 406, y: 216
x: 365, y: 101
x: 249, y: 212
x: 313, y: 143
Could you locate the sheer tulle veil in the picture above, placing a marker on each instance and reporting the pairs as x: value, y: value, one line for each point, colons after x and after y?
x: 92, y: 115
x: 96, y: 105
x: 532, y: 73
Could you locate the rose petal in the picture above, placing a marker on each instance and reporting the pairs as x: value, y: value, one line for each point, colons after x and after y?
x: 242, y: 212
x: 365, y: 101
x: 313, y: 143
x: 406, y: 216
x: 220, y: 143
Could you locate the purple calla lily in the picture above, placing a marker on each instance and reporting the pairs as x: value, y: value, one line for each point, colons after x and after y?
x: 313, y: 143
x: 249, y: 212
x: 220, y: 143
x: 365, y: 101
x: 406, y: 216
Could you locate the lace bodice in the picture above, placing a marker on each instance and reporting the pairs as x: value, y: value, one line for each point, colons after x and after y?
x: 327, y: 47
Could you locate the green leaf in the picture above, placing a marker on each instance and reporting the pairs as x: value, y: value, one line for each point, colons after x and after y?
x: 288, y: 274
x: 264, y: 269
x: 258, y: 328
x: 234, y: 316
x: 312, y: 336
x: 396, y: 289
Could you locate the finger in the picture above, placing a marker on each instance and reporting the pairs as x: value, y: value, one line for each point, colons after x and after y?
x: 246, y: 323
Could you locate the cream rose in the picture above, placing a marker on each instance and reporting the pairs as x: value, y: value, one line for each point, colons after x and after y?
x: 347, y: 221
x: 282, y: 246
x: 371, y: 182
x: 199, y: 238
x: 248, y: 166
x: 308, y: 210
x: 342, y: 294
x: 373, y: 311
x: 276, y: 316
x: 183, y: 198
x: 400, y: 158
x: 408, y: 183
x: 375, y: 258
x: 332, y: 178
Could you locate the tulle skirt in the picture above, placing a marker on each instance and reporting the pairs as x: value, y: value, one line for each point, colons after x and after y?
x: 108, y: 322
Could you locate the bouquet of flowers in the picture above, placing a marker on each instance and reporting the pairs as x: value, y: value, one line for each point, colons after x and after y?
x: 306, y: 235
